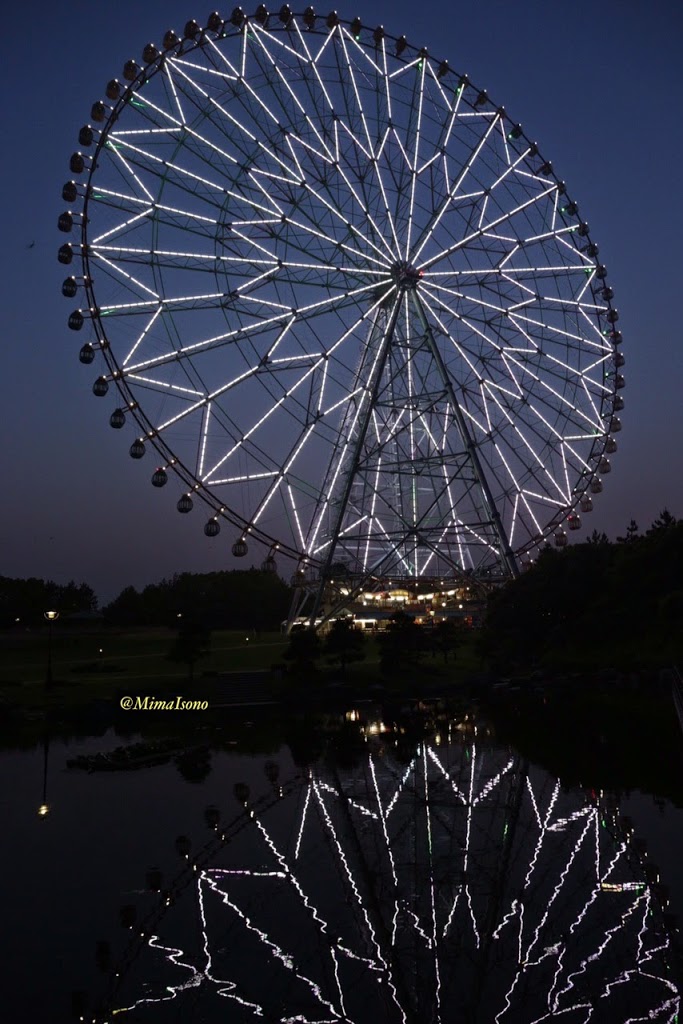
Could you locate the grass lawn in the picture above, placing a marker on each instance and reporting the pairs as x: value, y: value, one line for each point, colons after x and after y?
x: 87, y: 664
x: 101, y: 662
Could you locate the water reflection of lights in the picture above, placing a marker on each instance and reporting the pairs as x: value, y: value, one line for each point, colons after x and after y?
x: 460, y: 885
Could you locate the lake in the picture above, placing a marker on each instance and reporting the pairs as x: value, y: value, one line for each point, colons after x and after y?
x: 364, y: 864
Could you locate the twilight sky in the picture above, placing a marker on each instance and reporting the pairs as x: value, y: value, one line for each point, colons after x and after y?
x: 599, y: 86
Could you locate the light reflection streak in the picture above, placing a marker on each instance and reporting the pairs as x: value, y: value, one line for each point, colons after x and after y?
x: 570, y: 914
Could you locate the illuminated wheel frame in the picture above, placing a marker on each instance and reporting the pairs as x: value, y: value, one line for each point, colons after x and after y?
x: 345, y: 299
x: 444, y: 889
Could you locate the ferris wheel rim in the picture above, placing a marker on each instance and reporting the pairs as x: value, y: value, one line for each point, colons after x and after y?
x: 150, y: 434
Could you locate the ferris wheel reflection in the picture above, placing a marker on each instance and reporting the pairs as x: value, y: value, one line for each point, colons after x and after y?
x: 456, y: 883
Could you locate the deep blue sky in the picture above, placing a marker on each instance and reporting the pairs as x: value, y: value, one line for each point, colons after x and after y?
x: 599, y: 86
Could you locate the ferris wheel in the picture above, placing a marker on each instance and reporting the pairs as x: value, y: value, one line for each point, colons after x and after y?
x: 344, y: 299
x: 457, y: 883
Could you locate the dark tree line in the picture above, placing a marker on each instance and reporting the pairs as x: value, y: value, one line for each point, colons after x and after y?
x: 623, y: 598
x: 27, y: 600
x: 249, y: 599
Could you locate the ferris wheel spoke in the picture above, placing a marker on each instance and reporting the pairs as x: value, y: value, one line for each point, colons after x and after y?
x: 117, y: 272
x: 178, y: 304
x: 436, y: 291
x: 534, y: 351
x: 205, y: 399
x: 380, y: 257
x: 169, y: 76
x: 343, y: 861
x: 325, y: 153
x: 447, y: 121
x: 487, y: 228
x: 369, y: 164
x: 251, y: 330
x: 412, y: 165
x: 124, y: 168
x: 537, y: 461
x: 306, y: 375
x: 127, y: 201
x: 275, y: 951
x: 174, y: 259
x: 514, y: 275
x: 206, y: 344
x: 570, y: 337
x: 382, y: 156
x: 574, y: 416
x: 334, y: 158
x: 491, y: 392
x: 282, y: 478
x: 562, y: 442
x: 124, y: 226
x: 591, y: 402
x: 315, y: 192
x: 155, y: 166
x: 344, y: 37
x: 595, y: 329
x: 452, y: 193
x: 226, y: 122
x: 464, y: 355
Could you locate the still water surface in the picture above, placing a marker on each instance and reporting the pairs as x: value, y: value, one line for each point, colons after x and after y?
x: 364, y: 871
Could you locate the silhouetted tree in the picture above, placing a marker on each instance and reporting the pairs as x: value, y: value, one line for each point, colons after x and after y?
x: 597, y: 538
x: 344, y: 644
x: 402, y: 642
x: 304, y: 649
x: 664, y: 521
x: 191, y: 643
x: 446, y: 637
x: 125, y: 610
x: 631, y: 533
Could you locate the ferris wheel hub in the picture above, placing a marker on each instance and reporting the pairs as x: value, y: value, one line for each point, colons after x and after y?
x: 405, y: 275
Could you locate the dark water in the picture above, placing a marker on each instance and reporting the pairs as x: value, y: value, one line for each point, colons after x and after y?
x: 403, y: 875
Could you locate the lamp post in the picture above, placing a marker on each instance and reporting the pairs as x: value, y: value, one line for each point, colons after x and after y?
x: 51, y: 617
